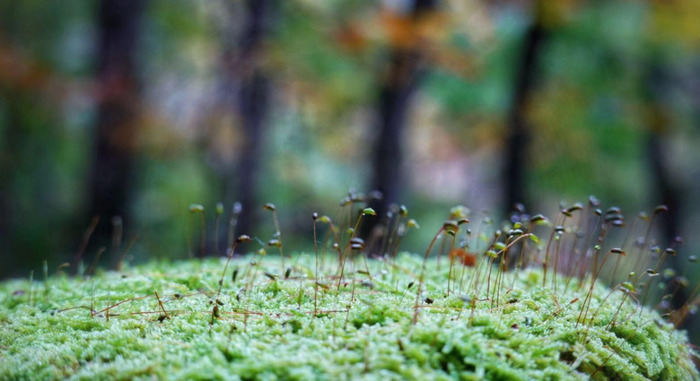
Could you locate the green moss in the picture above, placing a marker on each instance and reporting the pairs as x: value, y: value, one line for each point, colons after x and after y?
x: 47, y: 331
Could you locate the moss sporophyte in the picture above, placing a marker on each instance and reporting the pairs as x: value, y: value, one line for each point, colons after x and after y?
x: 507, y: 305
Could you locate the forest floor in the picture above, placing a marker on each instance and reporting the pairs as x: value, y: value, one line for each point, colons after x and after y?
x: 169, y: 320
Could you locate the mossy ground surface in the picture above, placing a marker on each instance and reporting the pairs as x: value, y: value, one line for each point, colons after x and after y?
x: 270, y: 331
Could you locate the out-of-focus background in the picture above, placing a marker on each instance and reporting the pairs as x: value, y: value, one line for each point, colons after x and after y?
x: 131, y: 110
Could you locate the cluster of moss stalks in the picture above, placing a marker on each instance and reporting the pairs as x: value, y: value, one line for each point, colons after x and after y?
x: 169, y: 320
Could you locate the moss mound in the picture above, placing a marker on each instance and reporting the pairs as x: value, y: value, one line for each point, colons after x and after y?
x: 268, y: 327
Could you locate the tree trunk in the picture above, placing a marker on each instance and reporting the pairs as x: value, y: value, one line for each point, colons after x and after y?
x: 518, y: 129
x: 252, y: 105
x: 11, y: 145
x: 664, y: 190
x: 397, y: 88
x: 117, y: 116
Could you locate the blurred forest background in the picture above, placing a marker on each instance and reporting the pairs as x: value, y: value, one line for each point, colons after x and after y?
x: 131, y: 110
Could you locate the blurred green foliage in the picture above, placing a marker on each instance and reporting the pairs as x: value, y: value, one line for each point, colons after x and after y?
x: 587, y: 114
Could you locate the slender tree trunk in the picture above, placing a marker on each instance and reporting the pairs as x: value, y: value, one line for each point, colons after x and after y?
x: 10, y: 147
x: 518, y: 130
x: 665, y: 190
x: 397, y: 88
x: 253, y: 106
x: 394, y: 101
x: 111, y: 177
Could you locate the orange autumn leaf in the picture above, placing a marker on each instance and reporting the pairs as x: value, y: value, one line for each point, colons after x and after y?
x: 351, y: 38
x: 407, y: 32
x: 466, y: 258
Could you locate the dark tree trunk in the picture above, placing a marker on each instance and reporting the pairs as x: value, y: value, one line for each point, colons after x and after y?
x: 664, y: 189
x: 394, y: 100
x: 666, y: 192
x: 397, y: 88
x: 117, y: 116
x: 11, y: 145
x: 518, y: 129
x: 252, y: 105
